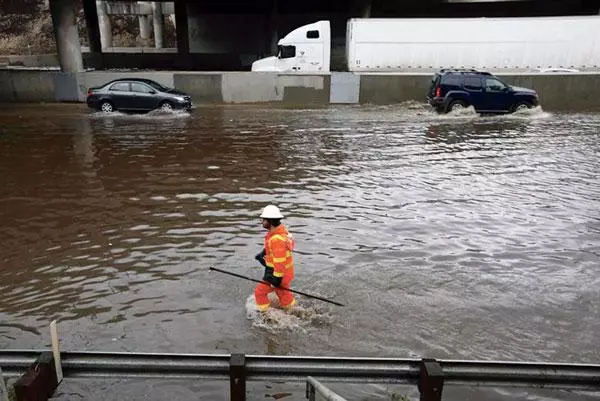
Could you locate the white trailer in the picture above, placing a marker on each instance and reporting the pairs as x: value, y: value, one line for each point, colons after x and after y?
x: 391, y: 45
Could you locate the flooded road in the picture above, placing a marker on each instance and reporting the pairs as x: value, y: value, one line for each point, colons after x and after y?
x: 460, y: 237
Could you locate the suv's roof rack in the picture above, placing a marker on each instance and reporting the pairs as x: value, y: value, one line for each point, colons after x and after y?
x: 464, y: 70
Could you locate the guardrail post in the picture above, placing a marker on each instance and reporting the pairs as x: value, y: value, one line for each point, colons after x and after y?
x: 310, y: 390
x: 3, y: 389
x: 431, y: 380
x: 39, y: 382
x: 237, y: 377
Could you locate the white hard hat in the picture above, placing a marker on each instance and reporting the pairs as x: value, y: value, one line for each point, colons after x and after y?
x: 271, y: 212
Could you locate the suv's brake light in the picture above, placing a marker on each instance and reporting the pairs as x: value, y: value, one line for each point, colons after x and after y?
x: 438, y: 91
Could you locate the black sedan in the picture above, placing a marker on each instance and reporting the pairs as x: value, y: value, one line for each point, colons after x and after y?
x: 136, y: 94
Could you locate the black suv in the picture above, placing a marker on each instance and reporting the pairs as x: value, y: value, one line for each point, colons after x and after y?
x: 454, y: 89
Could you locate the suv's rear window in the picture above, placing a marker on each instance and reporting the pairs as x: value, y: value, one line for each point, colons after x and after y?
x: 452, y: 80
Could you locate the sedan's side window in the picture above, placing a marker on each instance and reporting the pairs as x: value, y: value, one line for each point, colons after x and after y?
x: 141, y: 88
x: 120, y: 87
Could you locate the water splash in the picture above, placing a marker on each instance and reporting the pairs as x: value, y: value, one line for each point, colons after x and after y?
x: 534, y: 113
x: 151, y: 115
x: 300, y: 318
x: 467, y: 112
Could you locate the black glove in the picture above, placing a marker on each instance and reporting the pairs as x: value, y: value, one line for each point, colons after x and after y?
x: 276, y: 281
x: 261, y: 258
x: 270, y: 278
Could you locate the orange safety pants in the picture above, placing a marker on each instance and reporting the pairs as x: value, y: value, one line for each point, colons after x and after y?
x: 286, y: 298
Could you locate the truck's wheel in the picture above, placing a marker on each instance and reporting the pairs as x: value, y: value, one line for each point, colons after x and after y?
x: 456, y: 105
x: 520, y: 106
x: 107, y: 107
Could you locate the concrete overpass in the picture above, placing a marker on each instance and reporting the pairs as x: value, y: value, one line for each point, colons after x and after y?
x: 150, y: 14
x: 227, y: 35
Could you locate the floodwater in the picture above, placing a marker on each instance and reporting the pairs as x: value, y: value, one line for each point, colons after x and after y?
x: 459, y: 237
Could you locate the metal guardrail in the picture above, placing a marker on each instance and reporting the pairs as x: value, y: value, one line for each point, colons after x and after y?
x: 257, y: 367
x: 314, y: 387
x: 297, y: 368
x: 41, y: 371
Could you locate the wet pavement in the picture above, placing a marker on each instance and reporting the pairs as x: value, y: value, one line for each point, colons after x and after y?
x: 457, y: 236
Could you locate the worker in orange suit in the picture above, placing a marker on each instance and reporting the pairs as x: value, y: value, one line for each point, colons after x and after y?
x: 277, y: 259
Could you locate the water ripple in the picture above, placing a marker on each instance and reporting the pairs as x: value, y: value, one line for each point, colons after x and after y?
x: 448, y: 236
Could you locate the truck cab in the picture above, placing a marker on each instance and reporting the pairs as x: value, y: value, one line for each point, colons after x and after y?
x: 305, y: 49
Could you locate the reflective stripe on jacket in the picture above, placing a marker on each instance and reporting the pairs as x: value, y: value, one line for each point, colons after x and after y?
x: 279, y: 245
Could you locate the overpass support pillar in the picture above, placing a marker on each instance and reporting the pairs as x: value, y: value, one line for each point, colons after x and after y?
x: 145, y: 24
x: 93, y: 26
x: 362, y: 8
x: 273, y: 27
x: 105, y: 26
x: 66, y: 34
x: 366, y: 10
x: 182, y: 30
x: 158, y: 21
x: 144, y: 21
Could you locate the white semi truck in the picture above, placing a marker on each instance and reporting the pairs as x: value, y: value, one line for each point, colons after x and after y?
x: 389, y: 45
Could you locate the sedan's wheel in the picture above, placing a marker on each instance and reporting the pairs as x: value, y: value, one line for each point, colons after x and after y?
x: 107, y: 107
x: 166, y: 106
x: 521, y: 106
x: 457, y: 105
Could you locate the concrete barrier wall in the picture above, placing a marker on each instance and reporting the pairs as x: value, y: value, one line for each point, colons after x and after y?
x: 388, y: 89
x: 203, y: 88
x: 34, y: 60
x: 558, y: 92
x: 564, y: 92
x: 27, y: 86
x: 305, y: 89
x: 7, y: 93
x: 69, y: 87
x: 248, y: 87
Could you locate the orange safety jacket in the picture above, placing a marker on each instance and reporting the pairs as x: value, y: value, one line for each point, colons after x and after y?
x: 279, y: 245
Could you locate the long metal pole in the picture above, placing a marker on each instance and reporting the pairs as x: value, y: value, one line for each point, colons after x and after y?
x: 283, y: 288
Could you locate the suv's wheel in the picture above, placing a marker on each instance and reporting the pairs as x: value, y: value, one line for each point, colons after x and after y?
x: 107, y: 107
x: 520, y: 106
x: 456, y: 105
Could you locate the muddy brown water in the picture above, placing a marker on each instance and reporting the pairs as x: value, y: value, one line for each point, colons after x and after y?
x: 459, y: 237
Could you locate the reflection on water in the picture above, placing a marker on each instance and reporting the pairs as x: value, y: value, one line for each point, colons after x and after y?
x: 453, y: 236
